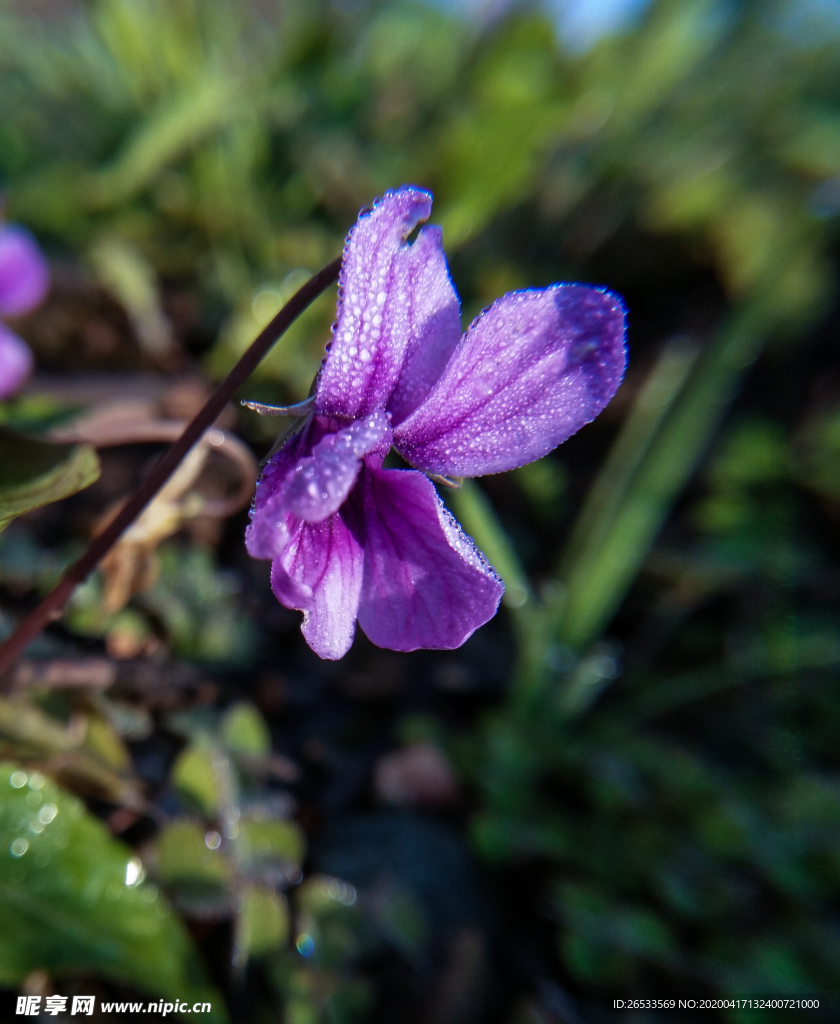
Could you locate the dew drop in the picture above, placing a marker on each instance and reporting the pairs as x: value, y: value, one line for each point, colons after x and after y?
x: 134, y: 873
x: 47, y: 813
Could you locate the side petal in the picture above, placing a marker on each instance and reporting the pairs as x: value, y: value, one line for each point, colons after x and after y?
x: 24, y: 274
x: 531, y: 371
x: 393, y: 297
x: 268, y: 532
x: 319, y: 484
x: 320, y: 574
x: 425, y: 583
x: 16, y: 362
x: 310, y: 479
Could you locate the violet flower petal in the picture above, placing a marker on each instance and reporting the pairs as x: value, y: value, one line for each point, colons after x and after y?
x: 425, y: 583
x: 530, y: 371
x: 268, y: 532
x: 393, y: 297
x: 435, y: 323
x: 319, y: 484
x: 310, y: 478
x: 16, y: 362
x: 320, y: 574
x: 24, y: 274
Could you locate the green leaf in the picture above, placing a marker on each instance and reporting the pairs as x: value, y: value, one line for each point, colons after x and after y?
x: 72, y: 900
x: 194, y: 775
x: 262, y: 923
x: 183, y: 853
x: 35, y: 473
x: 266, y: 843
x: 244, y: 731
x: 197, y: 875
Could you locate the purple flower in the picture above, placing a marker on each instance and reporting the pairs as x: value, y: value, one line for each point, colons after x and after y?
x: 24, y: 281
x: 352, y: 541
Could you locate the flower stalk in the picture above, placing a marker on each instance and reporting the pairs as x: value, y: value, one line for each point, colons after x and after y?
x: 53, y: 604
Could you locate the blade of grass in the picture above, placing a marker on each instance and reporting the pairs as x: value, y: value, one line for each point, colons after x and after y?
x: 654, y: 457
x: 531, y: 617
x: 603, y: 503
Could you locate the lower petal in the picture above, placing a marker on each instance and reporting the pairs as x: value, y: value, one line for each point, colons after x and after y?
x: 320, y: 574
x: 15, y: 362
x: 425, y: 584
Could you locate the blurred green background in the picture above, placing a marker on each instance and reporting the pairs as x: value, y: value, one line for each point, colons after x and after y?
x: 626, y: 785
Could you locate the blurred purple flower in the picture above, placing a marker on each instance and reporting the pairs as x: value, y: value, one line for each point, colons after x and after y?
x: 352, y: 541
x: 24, y: 281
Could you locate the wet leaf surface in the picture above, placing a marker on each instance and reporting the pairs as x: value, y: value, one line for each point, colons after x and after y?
x: 73, y: 899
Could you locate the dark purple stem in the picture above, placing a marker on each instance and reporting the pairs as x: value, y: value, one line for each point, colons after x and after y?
x: 52, y: 605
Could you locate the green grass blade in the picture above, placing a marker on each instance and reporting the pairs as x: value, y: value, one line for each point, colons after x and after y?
x: 654, y: 457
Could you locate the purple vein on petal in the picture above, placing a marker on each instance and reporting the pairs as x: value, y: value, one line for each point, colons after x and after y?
x: 320, y: 574
x: 425, y: 583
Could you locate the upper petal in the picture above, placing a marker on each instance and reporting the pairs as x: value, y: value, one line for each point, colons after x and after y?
x: 319, y: 572
x: 434, y: 322
x: 394, y: 298
x: 530, y: 371
x: 425, y: 583
x: 24, y: 274
x: 15, y: 362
